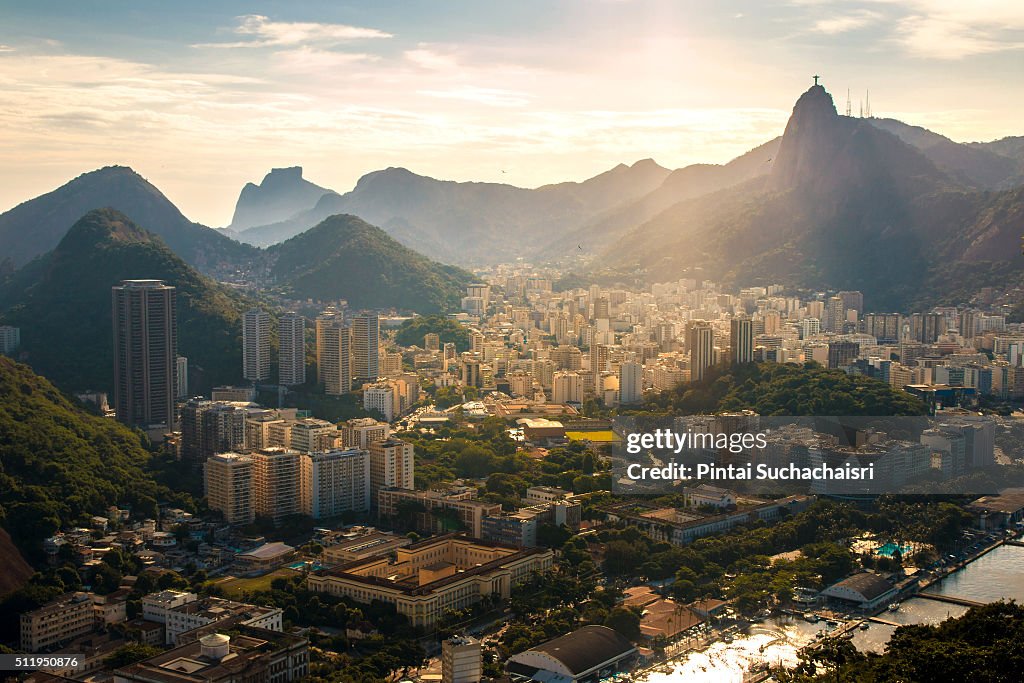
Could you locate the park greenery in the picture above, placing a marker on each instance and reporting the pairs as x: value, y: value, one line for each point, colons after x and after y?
x: 412, y: 332
x: 62, y: 464
x: 785, y: 389
x: 981, y: 645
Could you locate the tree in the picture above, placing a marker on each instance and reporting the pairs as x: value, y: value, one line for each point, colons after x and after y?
x: 131, y: 653
x: 625, y: 621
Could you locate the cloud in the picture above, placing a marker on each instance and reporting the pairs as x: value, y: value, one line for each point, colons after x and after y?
x: 267, y: 33
x: 6, y: 48
x: 931, y: 29
x: 847, y: 22
x: 955, y: 35
x: 494, y: 97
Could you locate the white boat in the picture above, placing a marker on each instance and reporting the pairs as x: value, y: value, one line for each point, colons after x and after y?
x: 894, y: 606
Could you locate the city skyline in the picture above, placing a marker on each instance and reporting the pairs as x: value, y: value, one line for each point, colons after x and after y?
x: 525, y: 95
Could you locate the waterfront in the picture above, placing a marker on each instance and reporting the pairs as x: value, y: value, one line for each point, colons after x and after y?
x: 998, y: 574
x: 776, y: 642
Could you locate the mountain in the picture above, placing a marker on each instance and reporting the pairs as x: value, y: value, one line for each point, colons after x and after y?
x: 981, y: 165
x: 684, y: 183
x: 846, y: 205
x: 62, y: 304
x: 37, y: 226
x: 469, y: 223
x: 346, y: 258
x: 60, y: 464
x: 282, y: 194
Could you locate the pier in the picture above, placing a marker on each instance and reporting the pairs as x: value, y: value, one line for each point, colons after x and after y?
x: 950, y: 599
x: 880, y: 620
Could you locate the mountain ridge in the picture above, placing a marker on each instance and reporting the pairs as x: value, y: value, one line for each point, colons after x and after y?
x: 37, y: 225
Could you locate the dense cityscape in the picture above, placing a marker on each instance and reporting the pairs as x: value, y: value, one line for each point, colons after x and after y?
x: 759, y: 420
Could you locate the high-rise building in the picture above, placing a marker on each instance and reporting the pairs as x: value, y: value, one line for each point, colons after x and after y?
x: 312, y: 434
x: 631, y: 382
x: 835, y: 314
x: 275, y: 483
x: 145, y: 352
x: 365, y: 348
x: 256, y: 345
x: 461, y: 660
x: 566, y: 387
x: 741, y: 340
x: 362, y: 431
x: 842, y: 354
x: 391, y: 465
x: 291, y: 357
x: 10, y: 339
x: 390, y: 363
x: 381, y: 398
x: 598, y: 365
x: 228, y: 479
x: 335, y: 481
x: 700, y: 341
x: 333, y: 353
x: 852, y: 301
x: 885, y: 327
x: 181, y: 375
x: 210, y: 427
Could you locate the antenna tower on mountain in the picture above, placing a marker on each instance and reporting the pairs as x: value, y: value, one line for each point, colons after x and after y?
x: 848, y: 109
x: 867, y: 104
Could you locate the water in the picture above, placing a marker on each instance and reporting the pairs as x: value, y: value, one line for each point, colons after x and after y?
x: 923, y: 611
x: 874, y: 638
x: 776, y: 642
x: 996, y: 575
x: 889, y: 549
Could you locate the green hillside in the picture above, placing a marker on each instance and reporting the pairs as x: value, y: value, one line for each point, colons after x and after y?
x: 61, y: 301
x: 346, y: 258
x: 60, y: 464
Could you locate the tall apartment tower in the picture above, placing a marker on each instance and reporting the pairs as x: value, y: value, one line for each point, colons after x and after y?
x: 291, y: 357
x: 256, y: 345
x: 275, y: 483
x: 391, y: 466
x: 835, y: 314
x: 333, y: 482
x: 741, y: 340
x: 145, y: 352
x: 228, y: 481
x: 365, y: 348
x: 333, y: 353
x: 700, y: 340
x: 631, y: 382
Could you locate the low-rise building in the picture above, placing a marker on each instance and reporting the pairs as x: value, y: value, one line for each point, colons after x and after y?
x: 865, y: 591
x: 179, y: 614
x: 426, y: 580
x: 265, y: 558
x: 69, y: 616
x: 586, y: 655
x: 247, y: 656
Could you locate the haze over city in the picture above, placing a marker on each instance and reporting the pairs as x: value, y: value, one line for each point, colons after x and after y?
x: 201, y: 99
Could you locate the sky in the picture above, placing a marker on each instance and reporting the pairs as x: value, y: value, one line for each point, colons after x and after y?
x: 202, y: 97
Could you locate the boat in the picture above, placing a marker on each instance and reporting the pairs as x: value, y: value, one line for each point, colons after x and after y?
x: 864, y: 625
x: 894, y: 606
x: 811, y: 617
x: 727, y: 638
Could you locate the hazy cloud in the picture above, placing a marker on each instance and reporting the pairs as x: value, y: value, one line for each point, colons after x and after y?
x: 267, y: 33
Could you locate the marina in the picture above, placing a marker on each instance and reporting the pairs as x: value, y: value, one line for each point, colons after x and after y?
x: 995, y: 574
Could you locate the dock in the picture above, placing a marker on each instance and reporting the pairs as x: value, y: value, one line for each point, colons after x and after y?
x: 880, y: 620
x: 950, y: 599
